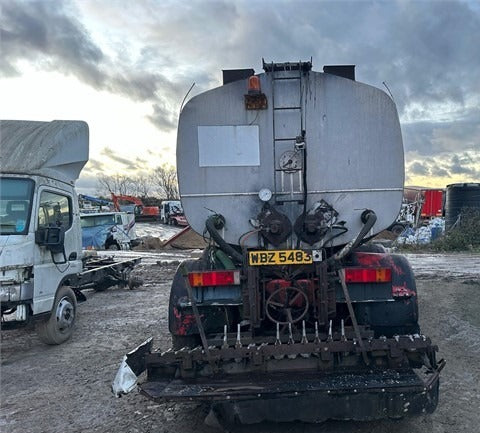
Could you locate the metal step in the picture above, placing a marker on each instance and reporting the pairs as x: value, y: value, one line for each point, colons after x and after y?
x: 285, y: 139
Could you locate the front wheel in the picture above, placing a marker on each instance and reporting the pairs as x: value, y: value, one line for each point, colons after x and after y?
x: 114, y: 247
x: 58, y: 327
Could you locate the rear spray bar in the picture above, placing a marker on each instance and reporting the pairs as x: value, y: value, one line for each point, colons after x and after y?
x: 397, y: 348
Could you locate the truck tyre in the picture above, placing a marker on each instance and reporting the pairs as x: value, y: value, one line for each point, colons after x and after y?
x: 179, y: 290
x: 397, y: 229
x: 59, y: 326
x: 393, y: 318
x: 114, y: 246
x: 371, y: 248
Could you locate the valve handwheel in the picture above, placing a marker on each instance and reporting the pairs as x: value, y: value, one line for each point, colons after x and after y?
x: 286, y: 305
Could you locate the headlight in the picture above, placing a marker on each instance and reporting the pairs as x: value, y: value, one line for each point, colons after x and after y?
x: 10, y: 293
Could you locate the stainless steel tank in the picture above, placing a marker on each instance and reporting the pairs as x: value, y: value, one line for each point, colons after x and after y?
x: 347, y: 133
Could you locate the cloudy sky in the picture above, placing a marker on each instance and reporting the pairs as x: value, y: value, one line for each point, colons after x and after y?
x: 125, y: 66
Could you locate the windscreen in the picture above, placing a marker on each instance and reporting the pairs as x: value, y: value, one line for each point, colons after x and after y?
x: 15, y: 205
x: 98, y: 220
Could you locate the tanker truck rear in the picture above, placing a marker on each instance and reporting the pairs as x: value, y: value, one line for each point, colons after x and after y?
x: 289, y: 315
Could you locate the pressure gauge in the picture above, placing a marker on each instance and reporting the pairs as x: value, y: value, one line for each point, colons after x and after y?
x: 265, y: 194
x: 290, y: 161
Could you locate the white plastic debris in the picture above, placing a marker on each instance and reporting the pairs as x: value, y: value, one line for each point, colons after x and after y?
x: 424, y: 234
x: 125, y: 379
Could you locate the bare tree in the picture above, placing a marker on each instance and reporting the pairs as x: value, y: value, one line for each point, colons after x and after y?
x: 118, y: 184
x: 165, y: 180
x: 142, y: 185
x: 104, y: 186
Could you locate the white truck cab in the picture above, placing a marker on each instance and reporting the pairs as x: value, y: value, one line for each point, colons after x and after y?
x: 40, y: 234
x: 108, y: 230
x: 171, y: 212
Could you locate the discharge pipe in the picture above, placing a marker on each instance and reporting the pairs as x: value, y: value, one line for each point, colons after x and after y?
x: 213, y: 224
x: 369, y: 218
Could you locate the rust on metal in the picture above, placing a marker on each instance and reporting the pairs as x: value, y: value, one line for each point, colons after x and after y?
x: 256, y: 102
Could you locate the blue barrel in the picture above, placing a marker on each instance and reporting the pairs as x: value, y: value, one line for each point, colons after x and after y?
x: 460, y: 195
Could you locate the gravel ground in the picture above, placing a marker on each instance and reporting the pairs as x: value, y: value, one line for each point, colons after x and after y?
x: 67, y: 388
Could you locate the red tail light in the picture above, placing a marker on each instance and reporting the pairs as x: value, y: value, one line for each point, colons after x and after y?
x: 368, y: 275
x: 214, y: 278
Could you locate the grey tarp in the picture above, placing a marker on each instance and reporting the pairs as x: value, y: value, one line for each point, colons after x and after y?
x: 57, y: 149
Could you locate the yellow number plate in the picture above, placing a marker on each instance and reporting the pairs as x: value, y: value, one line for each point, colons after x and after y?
x: 279, y: 257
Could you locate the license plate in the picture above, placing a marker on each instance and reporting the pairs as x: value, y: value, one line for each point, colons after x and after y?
x: 279, y: 257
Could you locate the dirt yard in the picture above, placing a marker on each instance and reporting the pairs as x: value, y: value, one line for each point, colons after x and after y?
x: 67, y: 388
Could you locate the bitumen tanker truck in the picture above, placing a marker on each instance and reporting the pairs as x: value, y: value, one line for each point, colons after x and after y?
x: 290, y: 314
x: 43, y: 268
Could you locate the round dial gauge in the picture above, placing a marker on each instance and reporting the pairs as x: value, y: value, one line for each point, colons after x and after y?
x: 265, y: 194
x: 290, y: 161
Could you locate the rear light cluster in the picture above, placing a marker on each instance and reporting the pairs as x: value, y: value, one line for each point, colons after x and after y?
x: 368, y: 275
x: 214, y: 278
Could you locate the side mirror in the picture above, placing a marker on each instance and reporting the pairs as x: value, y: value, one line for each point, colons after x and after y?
x: 52, y: 238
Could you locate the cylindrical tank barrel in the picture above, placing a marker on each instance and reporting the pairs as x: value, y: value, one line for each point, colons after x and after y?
x: 459, y: 196
x: 316, y: 131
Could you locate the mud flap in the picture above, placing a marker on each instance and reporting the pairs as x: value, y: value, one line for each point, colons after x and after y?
x: 132, y: 366
x: 306, y: 397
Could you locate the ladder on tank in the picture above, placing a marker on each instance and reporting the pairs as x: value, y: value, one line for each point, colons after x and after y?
x: 288, y: 129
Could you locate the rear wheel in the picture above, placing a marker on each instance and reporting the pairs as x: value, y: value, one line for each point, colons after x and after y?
x: 59, y: 326
x: 178, y: 290
x: 397, y: 229
x: 399, y: 317
x: 371, y: 248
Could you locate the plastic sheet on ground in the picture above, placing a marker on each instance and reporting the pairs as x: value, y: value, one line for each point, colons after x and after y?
x: 424, y: 234
x: 95, y: 237
x: 161, y: 231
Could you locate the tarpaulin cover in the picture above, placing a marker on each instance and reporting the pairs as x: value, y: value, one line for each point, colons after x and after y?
x: 57, y: 149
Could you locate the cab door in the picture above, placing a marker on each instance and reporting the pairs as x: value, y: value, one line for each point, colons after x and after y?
x: 54, y: 209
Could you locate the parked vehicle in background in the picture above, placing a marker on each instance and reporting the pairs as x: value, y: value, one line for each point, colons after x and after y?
x: 171, y: 213
x: 93, y: 204
x: 141, y: 212
x: 108, y: 231
x: 432, y: 206
x: 42, y: 265
x: 419, y: 206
